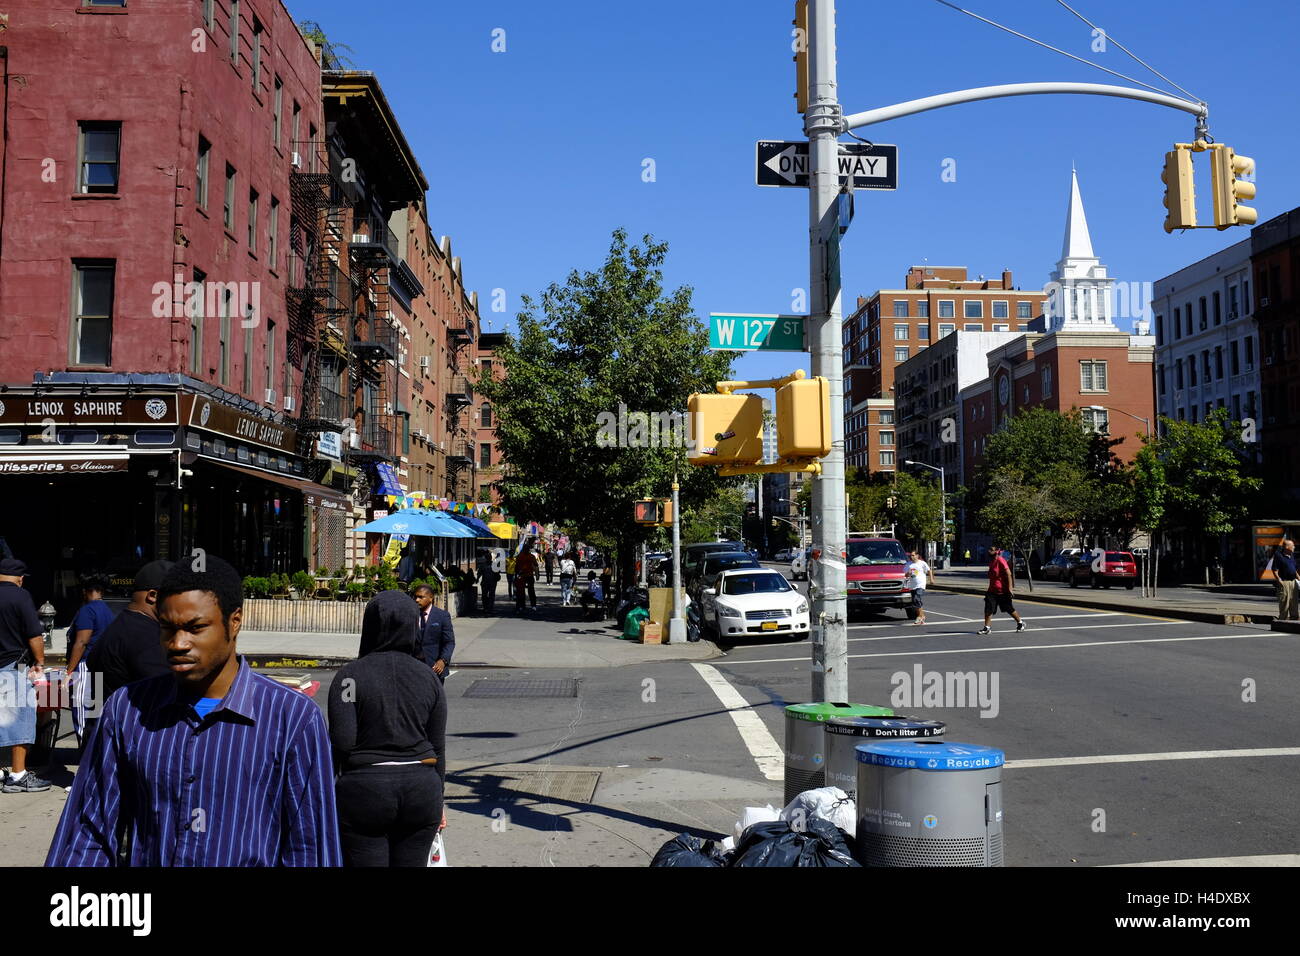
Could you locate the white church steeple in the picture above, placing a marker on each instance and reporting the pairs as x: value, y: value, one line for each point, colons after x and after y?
x: 1079, y: 291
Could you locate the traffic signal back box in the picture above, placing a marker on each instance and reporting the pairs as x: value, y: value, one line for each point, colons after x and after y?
x: 803, y: 419
x: 726, y: 428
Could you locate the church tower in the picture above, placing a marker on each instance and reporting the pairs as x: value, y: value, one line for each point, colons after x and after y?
x: 1079, y: 294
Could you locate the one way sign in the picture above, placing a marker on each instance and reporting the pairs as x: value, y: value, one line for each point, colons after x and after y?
x: 872, y: 166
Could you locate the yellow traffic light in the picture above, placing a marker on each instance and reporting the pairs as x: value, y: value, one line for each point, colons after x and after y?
x: 1180, y: 194
x: 800, y: 44
x: 655, y: 511
x: 1225, y: 168
x: 803, y: 419
x: 725, y: 429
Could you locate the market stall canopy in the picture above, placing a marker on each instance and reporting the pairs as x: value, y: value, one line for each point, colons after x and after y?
x: 429, y: 524
x: 480, y: 529
x: 503, y: 529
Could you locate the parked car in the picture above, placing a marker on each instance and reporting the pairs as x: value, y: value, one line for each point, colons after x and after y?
x: 1058, y: 567
x: 785, y: 554
x: 713, y: 565
x: 875, y: 574
x: 745, y: 601
x: 693, y: 555
x: 799, y: 564
x: 1102, y: 569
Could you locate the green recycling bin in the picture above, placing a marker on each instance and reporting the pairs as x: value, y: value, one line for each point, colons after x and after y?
x: 805, y: 741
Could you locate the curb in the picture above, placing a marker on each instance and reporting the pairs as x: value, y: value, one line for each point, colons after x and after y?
x: 1183, y: 614
x: 1290, y: 627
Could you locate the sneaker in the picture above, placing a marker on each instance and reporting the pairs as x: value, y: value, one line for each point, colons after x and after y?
x: 29, y: 784
x: 985, y: 630
x: 1020, y: 625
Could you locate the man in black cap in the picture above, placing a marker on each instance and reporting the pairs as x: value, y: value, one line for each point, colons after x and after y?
x: 22, y: 642
x: 129, y: 649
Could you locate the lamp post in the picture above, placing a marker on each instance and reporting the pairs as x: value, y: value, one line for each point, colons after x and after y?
x: 943, y: 509
x: 803, y: 519
x: 1145, y: 421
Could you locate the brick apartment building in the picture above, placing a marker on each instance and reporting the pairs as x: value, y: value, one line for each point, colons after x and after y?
x: 1275, y: 261
x: 489, y: 463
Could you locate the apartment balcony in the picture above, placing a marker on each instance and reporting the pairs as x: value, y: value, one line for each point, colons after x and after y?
x: 460, y: 330
x: 460, y: 391
x: 373, y: 340
x: 378, y: 440
x: 334, y: 406
x: 374, y: 243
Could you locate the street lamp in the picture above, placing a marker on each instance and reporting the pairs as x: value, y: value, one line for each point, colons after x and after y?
x: 802, y: 517
x: 1145, y: 422
x: 943, y: 508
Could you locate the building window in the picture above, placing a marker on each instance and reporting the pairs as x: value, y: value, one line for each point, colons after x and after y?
x: 1096, y: 420
x: 946, y: 328
x: 900, y: 332
x: 1160, y: 379
x: 1178, y: 322
x: 278, y: 112
x: 1234, y: 362
x: 228, y: 213
x: 1232, y: 302
x: 1187, y: 311
x: 273, y: 234
x: 269, y: 354
x: 295, y: 128
x: 900, y: 355
x: 99, y: 146
x: 1205, y: 318
x: 886, y: 438
x: 923, y: 333
x: 900, y: 308
x: 1001, y: 327
x: 1218, y: 362
x: 485, y: 455
x: 923, y: 309
x: 947, y: 309
x: 973, y: 309
x: 103, y: 3
x: 93, y: 318
x: 253, y: 200
x: 1160, y: 330
x: 313, y: 154
x: 223, y: 358
x: 973, y: 327
x: 248, y: 358
x: 210, y: 15
x: 196, y: 323
x: 201, y: 173
x: 1218, y: 315
x: 1205, y: 366
x: 1236, y: 408
x: 234, y: 32
x: 1191, y: 370
x: 1250, y: 353
x: 886, y: 417
x: 1024, y: 310
x: 1000, y: 309
x: 1092, y: 376
x: 257, y: 54
x: 1047, y: 380
x: 887, y: 458
x: 486, y: 420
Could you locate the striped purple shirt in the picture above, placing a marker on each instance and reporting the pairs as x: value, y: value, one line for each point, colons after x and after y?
x: 251, y: 784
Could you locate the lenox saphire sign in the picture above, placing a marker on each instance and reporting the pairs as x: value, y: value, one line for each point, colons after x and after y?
x: 87, y: 409
x: 211, y: 415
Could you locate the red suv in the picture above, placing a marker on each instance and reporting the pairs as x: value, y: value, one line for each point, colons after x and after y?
x: 874, y: 569
x: 1104, y: 569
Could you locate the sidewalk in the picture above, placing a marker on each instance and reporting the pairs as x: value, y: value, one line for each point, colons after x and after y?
x: 1185, y: 602
x: 551, y: 636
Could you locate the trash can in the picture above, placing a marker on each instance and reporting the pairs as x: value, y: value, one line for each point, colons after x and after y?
x: 929, y: 803
x: 843, y: 734
x: 804, y: 742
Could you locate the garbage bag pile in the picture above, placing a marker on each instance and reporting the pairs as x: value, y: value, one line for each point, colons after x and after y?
x: 816, y: 829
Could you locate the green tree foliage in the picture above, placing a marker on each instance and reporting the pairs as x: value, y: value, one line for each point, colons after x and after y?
x: 720, y: 514
x: 606, y: 337
x: 1195, y: 476
x: 918, y: 504
x: 1017, y: 512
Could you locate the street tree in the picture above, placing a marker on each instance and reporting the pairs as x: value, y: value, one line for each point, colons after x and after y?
x: 1018, y: 511
x: 605, y: 341
x: 918, y: 505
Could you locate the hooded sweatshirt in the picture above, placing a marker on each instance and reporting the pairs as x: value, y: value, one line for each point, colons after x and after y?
x: 387, y: 705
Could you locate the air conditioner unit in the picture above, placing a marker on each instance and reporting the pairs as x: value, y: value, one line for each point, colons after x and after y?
x: 424, y: 361
x: 296, y: 162
x: 288, y: 403
x: 270, y: 396
x: 388, y: 408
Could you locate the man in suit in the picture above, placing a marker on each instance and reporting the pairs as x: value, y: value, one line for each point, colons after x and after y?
x: 436, y: 639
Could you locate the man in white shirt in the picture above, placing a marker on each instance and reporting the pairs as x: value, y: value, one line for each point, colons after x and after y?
x: 919, y: 575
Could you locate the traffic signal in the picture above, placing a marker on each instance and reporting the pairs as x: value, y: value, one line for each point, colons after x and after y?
x: 653, y: 511
x: 803, y: 419
x: 1180, y: 194
x: 725, y: 429
x: 800, y: 22
x: 1225, y: 169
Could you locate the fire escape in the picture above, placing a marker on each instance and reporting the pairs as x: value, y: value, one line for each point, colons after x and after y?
x: 460, y: 396
x: 373, y: 250
x: 320, y: 299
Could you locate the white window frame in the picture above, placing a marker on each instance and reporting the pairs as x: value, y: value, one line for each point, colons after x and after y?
x: 1089, y: 380
x: 948, y: 305
x: 1006, y: 308
x: 966, y: 306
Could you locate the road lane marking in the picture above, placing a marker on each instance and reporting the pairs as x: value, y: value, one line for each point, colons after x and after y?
x: 1144, y: 758
x: 1038, y: 617
x: 1277, y: 859
x: 1037, y: 630
x: 757, y: 738
x: 1018, y: 647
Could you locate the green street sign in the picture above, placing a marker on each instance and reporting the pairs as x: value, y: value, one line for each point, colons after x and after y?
x: 751, y: 333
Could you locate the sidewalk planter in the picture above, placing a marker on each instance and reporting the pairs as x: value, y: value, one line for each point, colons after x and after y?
x: 324, y: 617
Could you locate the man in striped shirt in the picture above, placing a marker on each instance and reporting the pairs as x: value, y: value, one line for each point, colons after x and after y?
x: 211, y: 765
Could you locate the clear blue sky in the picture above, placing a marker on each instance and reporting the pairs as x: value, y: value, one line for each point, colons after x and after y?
x: 535, y: 155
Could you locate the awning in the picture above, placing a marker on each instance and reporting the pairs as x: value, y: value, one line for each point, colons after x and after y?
x: 479, y: 527
x: 503, y: 529
x: 313, y: 494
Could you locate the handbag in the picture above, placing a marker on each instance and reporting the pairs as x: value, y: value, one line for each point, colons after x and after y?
x: 437, y: 852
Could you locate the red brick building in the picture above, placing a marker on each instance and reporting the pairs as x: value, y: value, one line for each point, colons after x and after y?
x: 489, y: 463
x: 1275, y: 260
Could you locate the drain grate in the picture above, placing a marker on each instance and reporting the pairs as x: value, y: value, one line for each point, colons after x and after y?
x: 567, y: 687
x: 570, y: 786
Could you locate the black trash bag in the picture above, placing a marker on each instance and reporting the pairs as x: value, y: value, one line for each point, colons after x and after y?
x: 776, y: 843
x: 686, y: 850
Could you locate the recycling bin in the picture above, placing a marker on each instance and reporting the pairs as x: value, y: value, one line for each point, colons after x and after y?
x: 843, y: 734
x: 929, y: 802
x: 804, y: 741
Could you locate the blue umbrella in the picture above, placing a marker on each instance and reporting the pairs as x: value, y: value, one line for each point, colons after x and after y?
x: 429, y: 524
x: 481, y: 530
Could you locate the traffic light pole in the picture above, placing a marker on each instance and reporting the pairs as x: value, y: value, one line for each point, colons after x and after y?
x: 827, y: 577
x: 677, y: 623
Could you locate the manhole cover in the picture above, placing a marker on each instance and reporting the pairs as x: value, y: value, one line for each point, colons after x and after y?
x: 570, y: 786
x: 522, y: 688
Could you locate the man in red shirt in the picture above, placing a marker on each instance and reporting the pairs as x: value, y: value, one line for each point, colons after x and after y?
x: 1001, y: 589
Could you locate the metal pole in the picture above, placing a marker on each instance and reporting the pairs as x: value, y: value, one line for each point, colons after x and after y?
x: 822, y: 123
x: 943, y: 519
x: 677, y: 625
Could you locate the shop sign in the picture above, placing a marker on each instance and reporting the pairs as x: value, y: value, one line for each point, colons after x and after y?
x: 87, y: 409
x: 29, y: 465
x: 330, y: 445
x: 213, y: 416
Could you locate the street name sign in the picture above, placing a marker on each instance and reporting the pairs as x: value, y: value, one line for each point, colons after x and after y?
x: 755, y: 333
x: 785, y: 163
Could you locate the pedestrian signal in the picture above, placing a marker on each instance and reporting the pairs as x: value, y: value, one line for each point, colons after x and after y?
x: 725, y: 429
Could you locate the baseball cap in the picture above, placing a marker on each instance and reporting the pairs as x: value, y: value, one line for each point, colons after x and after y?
x: 13, y: 567
x: 150, y: 577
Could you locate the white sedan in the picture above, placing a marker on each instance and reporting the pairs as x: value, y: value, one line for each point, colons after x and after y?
x: 799, y: 564
x: 754, y: 601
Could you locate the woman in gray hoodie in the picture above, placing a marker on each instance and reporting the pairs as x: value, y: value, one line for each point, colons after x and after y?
x: 387, y: 721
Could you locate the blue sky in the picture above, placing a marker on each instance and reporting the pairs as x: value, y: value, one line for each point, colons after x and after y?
x: 534, y: 155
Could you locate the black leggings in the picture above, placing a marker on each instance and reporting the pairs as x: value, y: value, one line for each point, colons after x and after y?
x: 388, y: 816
